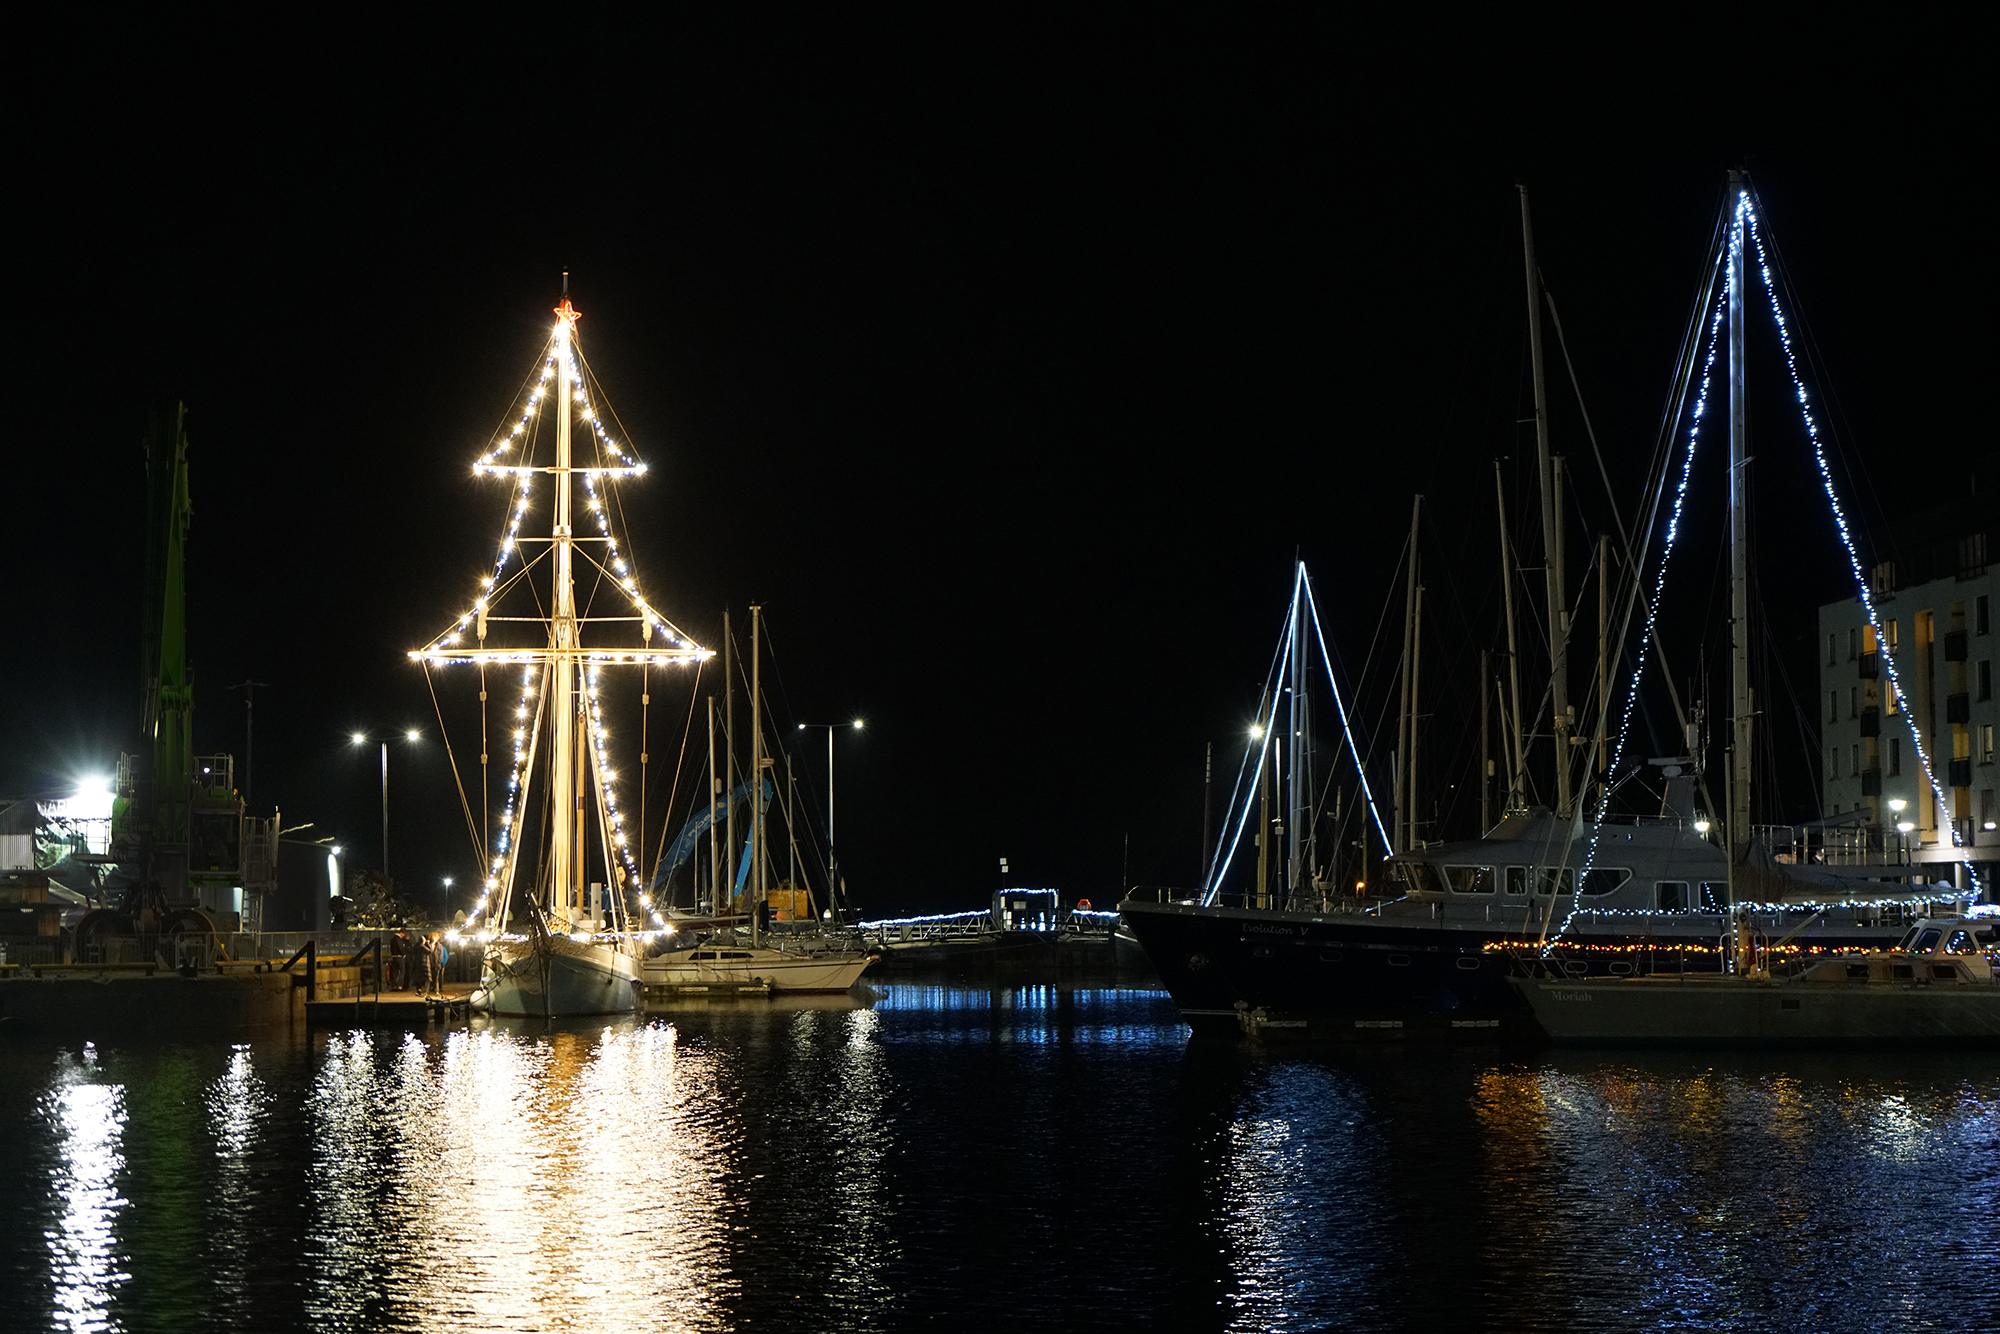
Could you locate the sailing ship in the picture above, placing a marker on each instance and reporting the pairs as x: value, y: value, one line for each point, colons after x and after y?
x: 763, y: 949
x: 1599, y: 893
x: 561, y: 935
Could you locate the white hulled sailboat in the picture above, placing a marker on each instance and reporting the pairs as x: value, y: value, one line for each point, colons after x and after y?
x: 567, y: 945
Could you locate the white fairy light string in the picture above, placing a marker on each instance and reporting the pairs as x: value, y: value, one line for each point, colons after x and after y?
x: 510, y: 454
x: 1659, y: 588
x: 1840, y: 513
x: 1746, y: 215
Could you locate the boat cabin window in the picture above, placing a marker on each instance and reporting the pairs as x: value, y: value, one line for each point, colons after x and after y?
x: 1672, y: 895
x: 734, y: 954
x: 1961, y: 942
x: 1517, y: 880
x: 1555, y: 880
x: 702, y: 954
x: 1926, y: 942
x: 1469, y: 879
x: 1418, y: 876
x: 1909, y: 938
x: 1715, y: 896
x: 1604, y: 879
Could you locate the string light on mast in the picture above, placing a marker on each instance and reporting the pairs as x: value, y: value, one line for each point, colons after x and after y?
x: 510, y: 454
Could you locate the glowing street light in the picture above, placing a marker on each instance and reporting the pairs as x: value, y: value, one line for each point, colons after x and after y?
x: 362, y: 739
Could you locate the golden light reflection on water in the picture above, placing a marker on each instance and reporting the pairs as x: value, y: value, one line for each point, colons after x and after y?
x: 502, y: 1179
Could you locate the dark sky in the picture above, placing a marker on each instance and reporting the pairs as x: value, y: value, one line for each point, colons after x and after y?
x: 1007, y: 363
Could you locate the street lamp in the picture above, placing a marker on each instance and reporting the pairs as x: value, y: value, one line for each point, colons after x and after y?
x: 832, y: 884
x: 362, y: 739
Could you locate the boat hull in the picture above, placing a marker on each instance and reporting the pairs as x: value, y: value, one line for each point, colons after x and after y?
x: 1755, y: 1012
x: 558, y: 978
x: 1366, y: 978
x: 776, y: 969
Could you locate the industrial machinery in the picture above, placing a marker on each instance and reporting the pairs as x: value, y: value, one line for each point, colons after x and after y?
x: 191, y: 859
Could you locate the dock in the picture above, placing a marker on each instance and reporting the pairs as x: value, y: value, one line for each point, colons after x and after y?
x: 387, y: 1009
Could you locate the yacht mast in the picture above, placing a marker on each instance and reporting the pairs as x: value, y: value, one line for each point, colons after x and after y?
x: 1741, y: 704
x: 1517, y: 790
x: 567, y: 847
x: 1551, y: 521
x: 1404, y: 815
x: 757, y: 775
x: 1296, y: 715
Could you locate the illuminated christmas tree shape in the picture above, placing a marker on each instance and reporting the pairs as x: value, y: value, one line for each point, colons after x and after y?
x: 525, y: 618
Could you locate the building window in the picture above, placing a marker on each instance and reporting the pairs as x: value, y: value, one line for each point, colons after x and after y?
x: 1988, y: 816
x: 1895, y: 756
x: 1972, y: 556
x: 1986, y: 679
x: 1895, y: 638
x: 1854, y: 701
x: 1831, y: 640
x: 1855, y: 766
x: 1986, y: 743
x: 1833, y: 706
x: 1895, y: 700
x: 1853, y: 644
x: 1833, y: 761
x: 1982, y: 616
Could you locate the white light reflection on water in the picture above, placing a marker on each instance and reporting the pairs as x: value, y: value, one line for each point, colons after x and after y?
x: 1733, y: 1197
x: 1296, y: 1158
x: 512, y: 1179
x: 89, y: 1122
x: 238, y: 1103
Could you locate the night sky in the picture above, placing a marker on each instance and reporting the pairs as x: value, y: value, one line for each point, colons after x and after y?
x: 1008, y: 364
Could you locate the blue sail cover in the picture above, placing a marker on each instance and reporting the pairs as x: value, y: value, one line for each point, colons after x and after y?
x: 696, y: 829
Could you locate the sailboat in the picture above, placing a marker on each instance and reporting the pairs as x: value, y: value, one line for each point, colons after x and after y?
x: 559, y: 942
x: 727, y: 958
x: 1602, y: 894
x: 1935, y: 983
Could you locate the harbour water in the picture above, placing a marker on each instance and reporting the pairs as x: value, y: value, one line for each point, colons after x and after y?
x: 1022, y: 1158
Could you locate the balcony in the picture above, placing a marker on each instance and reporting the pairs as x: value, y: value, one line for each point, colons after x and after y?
x: 1954, y: 646
x: 1871, y: 721
x: 1958, y: 708
x: 1871, y: 782
x: 1871, y: 666
x: 1961, y: 773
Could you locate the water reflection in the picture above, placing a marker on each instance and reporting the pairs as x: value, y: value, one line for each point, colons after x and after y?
x: 89, y: 1124
x: 986, y: 1158
x: 507, y: 1179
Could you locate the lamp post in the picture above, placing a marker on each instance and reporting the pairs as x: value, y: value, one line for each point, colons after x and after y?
x: 832, y: 883
x: 362, y: 739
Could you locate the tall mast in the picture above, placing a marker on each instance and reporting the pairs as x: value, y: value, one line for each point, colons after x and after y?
x: 1266, y: 754
x: 1603, y: 653
x: 567, y: 846
x: 1401, y: 838
x: 1485, y: 741
x: 714, y: 791
x: 729, y: 761
x: 757, y: 773
x: 1296, y: 716
x: 1739, y: 544
x: 1551, y: 519
x: 1516, y: 783
x: 1416, y: 708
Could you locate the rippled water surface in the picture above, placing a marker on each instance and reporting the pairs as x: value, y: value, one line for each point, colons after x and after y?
x: 1021, y: 1159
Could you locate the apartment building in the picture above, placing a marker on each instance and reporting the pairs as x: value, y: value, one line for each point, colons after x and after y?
x: 1937, y: 601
